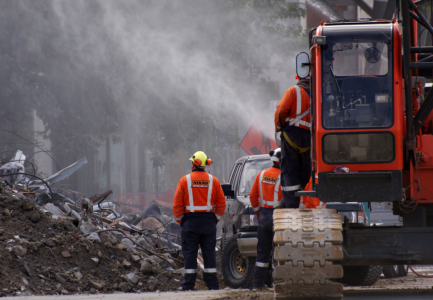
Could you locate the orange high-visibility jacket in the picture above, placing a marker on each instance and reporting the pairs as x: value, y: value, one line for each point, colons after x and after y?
x: 311, y: 202
x: 294, y: 102
x: 266, y: 190
x: 198, y: 192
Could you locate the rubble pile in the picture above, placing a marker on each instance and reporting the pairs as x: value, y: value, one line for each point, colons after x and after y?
x: 55, y: 241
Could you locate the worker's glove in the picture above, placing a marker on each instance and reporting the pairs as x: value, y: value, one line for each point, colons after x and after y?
x: 280, y: 204
x: 256, y: 213
x: 179, y: 221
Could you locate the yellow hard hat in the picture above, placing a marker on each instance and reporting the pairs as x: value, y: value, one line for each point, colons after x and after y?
x: 200, y: 159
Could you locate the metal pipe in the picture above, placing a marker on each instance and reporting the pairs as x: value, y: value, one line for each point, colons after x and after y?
x: 414, y: 16
x: 424, y: 111
x: 407, y: 75
x: 421, y: 50
x: 424, y: 23
x: 425, y: 59
x: 421, y: 65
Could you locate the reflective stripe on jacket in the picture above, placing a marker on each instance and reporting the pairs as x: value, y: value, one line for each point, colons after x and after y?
x: 198, y: 192
x: 266, y: 190
x: 294, y: 102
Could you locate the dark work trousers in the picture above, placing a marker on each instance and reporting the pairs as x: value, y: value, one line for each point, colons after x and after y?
x: 295, y: 166
x: 199, y: 229
x: 265, y: 236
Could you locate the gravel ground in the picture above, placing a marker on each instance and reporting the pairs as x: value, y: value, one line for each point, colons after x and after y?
x: 409, y: 287
x: 411, y: 281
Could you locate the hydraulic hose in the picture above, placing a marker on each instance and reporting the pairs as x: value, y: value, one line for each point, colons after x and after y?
x: 420, y: 275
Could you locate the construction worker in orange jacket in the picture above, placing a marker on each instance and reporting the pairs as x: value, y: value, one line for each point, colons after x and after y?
x: 198, y: 205
x: 292, y: 119
x: 265, y: 196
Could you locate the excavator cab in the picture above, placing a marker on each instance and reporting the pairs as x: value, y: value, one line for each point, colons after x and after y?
x: 357, y: 81
x: 356, y: 104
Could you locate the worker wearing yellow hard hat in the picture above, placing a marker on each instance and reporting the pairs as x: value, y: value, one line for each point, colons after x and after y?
x: 198, y: 205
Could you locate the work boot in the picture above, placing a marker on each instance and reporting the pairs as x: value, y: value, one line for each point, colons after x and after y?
x: 259, y: 277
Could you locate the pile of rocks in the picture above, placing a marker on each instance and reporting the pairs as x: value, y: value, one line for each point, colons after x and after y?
x: 45, y: 253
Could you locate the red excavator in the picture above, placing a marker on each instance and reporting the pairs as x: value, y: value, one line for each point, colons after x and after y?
x: 372, y: 141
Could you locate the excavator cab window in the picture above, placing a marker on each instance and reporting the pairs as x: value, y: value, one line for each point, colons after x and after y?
x: 357, y: 77
x: 357, y: 93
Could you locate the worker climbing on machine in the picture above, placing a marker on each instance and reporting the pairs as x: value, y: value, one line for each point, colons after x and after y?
x: 292, y: 119
x: 265, y: 196
x: 198, y: 206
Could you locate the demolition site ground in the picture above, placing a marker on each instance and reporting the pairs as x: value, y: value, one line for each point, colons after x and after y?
x: 43, y: 256
x: 57, y: 242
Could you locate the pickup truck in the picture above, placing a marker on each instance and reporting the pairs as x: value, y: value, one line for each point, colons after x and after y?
x: 238, y: 228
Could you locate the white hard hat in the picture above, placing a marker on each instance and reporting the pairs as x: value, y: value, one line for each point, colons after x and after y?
x: 275, y: 154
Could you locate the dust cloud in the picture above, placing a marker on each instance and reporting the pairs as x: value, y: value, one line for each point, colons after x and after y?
x: 158, y: 73
x: 198, y: 52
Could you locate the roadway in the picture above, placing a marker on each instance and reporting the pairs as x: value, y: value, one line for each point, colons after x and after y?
x: 411, y: 287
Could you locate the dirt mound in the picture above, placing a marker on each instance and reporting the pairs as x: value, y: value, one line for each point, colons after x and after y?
x: 43, y: 256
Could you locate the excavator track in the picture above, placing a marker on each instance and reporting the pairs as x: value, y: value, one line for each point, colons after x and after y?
x: 307, y: 241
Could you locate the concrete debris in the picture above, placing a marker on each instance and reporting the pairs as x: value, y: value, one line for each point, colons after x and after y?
x: 25, y: 281
x: 10, y: 171
x: 95, y: 259
x: 78, y: 275
x: 87, y: 228
x: 126, y: 264
x: 132, y: 278
x: 96, y: 284
x: 47, y: 230
x: 151, y: 284
x: 151, y: 223
x: 51, y: 208
x: 135, y: 258
x: 60, y: 278
x: 19, y: 250
x: 124, y: 287
x: 146, y: 267
x: 130, y: 247
x: 66, y: 254
x: 94, y: 237
x: 121, y: 247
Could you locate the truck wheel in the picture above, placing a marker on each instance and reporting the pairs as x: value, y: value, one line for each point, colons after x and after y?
x: 361, y: 275
x: 390, y: 271
x: 403, y: 270
x: 237, y: 269
x: 307, y: 241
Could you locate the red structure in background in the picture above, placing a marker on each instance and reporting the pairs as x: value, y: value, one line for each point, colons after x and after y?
x: 133, y: 203
x: 260, y: 138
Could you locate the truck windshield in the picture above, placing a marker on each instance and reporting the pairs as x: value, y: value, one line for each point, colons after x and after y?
x: 357, y: 81
x: 251, y: 169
